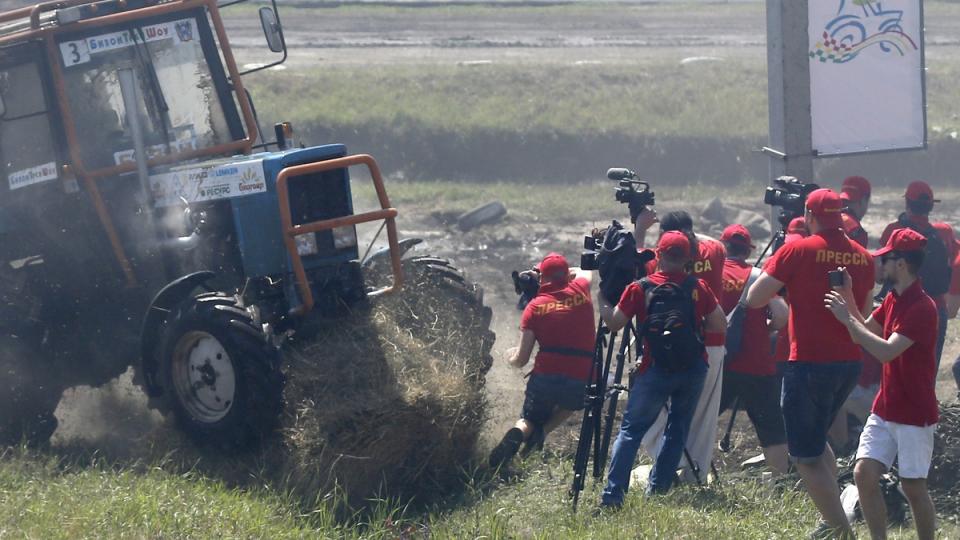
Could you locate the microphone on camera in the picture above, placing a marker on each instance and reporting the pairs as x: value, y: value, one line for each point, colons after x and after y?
x: 620, y: 174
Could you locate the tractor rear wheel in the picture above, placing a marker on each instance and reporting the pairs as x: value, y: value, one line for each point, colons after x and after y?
x: 220, y: 375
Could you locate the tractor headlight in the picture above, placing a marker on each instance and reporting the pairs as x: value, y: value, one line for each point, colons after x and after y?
x: 307, y: 244
x: 345, y: 237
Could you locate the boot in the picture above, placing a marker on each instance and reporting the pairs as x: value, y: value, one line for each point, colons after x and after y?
x: 507, y: 448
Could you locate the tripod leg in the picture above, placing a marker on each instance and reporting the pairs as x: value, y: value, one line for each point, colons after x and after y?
x: 622, y: 355
x: 587, y: 429
x: 724, y: 445
x: 599, y: 451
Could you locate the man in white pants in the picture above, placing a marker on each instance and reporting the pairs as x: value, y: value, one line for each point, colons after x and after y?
x: 708, y: 266
x: 902, y: 335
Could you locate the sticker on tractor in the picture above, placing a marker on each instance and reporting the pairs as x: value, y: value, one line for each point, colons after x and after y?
x: 155, y: 151
x: 33, y: 175
x: 80, y: 51
x: 208, y: 183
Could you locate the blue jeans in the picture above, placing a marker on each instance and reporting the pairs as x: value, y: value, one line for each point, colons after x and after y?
x: 648, y: 396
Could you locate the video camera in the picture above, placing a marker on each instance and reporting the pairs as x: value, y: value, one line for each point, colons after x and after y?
x: 631, y: 191
x: 527, y: 285
x: 790, y: 195
x: 613, y: 251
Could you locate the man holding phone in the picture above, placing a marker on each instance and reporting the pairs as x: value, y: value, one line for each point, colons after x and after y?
x: 824, y: 361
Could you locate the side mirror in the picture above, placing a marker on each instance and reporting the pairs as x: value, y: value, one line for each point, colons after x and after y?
x: 271, y: 29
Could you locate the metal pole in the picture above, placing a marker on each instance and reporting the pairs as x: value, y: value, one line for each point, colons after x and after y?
x: 128, y: 89
x: 788, y: 84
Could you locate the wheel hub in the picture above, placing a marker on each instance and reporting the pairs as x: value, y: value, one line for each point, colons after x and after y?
x: 203, y: 376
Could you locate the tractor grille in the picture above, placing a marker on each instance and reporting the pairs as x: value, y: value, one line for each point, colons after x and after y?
x: 320, y: 196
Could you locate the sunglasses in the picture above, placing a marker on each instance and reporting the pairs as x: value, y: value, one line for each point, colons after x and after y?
x: 885, y: 258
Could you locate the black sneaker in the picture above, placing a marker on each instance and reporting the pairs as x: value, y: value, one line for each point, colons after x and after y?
x: 507, y: 448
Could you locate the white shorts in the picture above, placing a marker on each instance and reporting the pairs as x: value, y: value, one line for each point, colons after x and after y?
x: 912, y: 446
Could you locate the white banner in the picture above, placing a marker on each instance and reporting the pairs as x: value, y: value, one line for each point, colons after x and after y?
x: 866, y: 75
x: 208, y: 182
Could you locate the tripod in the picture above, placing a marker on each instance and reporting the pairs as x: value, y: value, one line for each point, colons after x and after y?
x: 595, y: 432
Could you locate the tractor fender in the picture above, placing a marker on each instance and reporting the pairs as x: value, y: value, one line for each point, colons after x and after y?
x: 172, y: 294
x: 383, y: 254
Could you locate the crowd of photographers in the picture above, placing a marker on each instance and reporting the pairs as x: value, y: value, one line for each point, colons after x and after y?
x: 798, y: 342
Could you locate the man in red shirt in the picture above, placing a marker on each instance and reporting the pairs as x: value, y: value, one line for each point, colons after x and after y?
x: 662, y: 377
x: 901, y: 334
x: 855, y: 193
x: 707, y: 264
x: 919, y: 203
x: 824, y: 361
x: 559, y: 319
x: 750, y: 376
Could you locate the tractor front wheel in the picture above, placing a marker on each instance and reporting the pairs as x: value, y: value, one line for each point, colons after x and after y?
x: 220, y: 374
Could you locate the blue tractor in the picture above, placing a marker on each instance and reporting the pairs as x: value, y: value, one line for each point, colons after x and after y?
x: 142, y: 219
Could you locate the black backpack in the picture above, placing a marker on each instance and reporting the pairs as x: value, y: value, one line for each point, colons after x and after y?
x: 670, y: 328
x: 936, y: 270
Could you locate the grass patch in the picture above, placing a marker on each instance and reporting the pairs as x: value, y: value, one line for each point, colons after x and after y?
x: 42, y: 497
x: 45, y: 497
x: 660, y: 98
x: 714, y: 99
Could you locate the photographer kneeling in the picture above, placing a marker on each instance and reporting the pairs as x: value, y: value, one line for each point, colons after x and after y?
x: 673, y: 310
x: 560, y: 319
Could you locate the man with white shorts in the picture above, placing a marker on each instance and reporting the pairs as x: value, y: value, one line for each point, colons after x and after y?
x: 902, y: 335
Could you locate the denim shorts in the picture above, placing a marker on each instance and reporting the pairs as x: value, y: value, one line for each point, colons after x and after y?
x: 546, y: 392
x: 812, y: 395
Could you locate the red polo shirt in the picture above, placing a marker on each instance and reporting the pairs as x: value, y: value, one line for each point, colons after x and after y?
x: 907, y: 394
x: 633, y: 303
x: 754, y: 357
x: 815, y: 335
x: 561, y: 316
x: 708, y: 266
x: 851, y: 226
x: 944, y: 230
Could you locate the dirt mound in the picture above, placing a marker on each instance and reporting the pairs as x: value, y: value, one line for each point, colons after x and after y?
x: 944, y: 479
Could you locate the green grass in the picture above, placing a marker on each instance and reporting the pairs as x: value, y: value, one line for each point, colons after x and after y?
x: 45, y: 497
x: 717, y: 100
x: 42, y: 497
x: 665, y: 98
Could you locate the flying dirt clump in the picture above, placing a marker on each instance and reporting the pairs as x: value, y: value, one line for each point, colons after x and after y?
x: 390, y: 399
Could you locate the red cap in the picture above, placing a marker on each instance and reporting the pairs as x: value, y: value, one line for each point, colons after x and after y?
x: 553, y: 264
x: 826, y: 206
x: 903, y: 240
x: 796, y: 230
x: 855, y: 188
x: 919, y: 191
x: 798, y: 225
x: 737, y: 234
x: 674, y: 243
